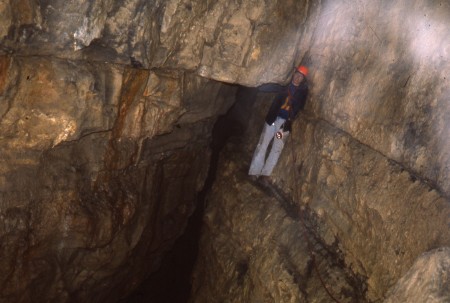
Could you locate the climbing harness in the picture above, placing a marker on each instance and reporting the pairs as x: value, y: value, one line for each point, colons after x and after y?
x: 302, y: 219
x: 288, y: 101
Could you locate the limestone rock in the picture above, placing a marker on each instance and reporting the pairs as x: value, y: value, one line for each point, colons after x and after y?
x: 381, y: 71
x: 373, y: 146
x: 379, y: 211
x: 236, y: 42
x: 255, y: 248
x: 99, y: 171
x: 426, y: 281
x: 370, y: 209
x: 105, y: 127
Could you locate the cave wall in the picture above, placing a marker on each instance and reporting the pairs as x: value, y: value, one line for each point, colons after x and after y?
x: 371, y: 157
x: 381, y: 180
x: 106, y: 113
x: 230, y: 41
x: 396, y: 55
x: 105, y: 129
x: 100, y: 169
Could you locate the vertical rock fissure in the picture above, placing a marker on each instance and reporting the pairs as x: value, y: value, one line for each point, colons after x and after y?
x: 172, y: 282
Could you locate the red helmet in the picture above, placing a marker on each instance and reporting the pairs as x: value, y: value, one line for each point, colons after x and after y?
x: 303, y: 70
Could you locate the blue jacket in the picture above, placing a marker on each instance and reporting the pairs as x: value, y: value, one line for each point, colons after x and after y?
x: 294, y: 96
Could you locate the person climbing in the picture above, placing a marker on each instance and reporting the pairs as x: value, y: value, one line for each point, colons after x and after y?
x: 278, y: 122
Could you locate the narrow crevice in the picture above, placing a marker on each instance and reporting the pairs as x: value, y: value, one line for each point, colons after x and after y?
x: 172, y: 282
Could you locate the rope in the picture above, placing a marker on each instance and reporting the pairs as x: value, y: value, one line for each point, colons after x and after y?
x: 302, y: 219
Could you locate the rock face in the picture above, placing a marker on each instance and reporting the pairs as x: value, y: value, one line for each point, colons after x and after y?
x: 258, y: 247
x: 371, y: 153
x: 106, y: 112
x: 100, y: 168
x: 224, y: 40
x: 426, y: 281
x: 371, y: 215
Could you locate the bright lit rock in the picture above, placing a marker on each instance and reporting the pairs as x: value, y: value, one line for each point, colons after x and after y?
x: 427, y: 280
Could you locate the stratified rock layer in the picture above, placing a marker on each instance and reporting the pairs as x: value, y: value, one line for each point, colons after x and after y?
x: 225, y: 40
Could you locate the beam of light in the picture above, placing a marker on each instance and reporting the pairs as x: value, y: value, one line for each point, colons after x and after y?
x: 382, y: 66
x: 429, y: 38
x: 429, y: 45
